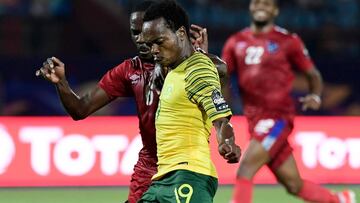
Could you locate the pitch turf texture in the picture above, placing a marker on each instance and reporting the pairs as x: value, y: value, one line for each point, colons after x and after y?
x: 262, y: 194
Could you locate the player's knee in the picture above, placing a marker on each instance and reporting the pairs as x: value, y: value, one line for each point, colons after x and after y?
x: 293, y: 187
x: 245, y: 166
x: 246, y: 169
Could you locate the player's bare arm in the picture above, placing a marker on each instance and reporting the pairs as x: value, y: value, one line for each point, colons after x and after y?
x: 313, y: 99
x: 78, y: 107
x: 226, y: 140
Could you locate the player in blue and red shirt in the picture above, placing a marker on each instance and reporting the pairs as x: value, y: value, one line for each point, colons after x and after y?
x: 264, y: 57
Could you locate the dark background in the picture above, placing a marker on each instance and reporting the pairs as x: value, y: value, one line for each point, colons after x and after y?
x: 92, y: 36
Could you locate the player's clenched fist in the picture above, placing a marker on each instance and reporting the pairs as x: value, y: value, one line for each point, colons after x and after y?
x: 226, y: 140
x: 230, y: 151
x: 53, y: 70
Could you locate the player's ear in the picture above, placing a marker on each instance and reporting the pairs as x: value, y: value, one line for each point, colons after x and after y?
x: 181, y: 33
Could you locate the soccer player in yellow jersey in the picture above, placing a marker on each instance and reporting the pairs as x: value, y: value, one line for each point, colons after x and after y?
x: 190, y: 103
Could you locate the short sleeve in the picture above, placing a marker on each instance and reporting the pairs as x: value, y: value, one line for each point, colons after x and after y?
x: 203, y: 88
x: 228, y: 54
x: 115, y: 82
x: 298, y: 54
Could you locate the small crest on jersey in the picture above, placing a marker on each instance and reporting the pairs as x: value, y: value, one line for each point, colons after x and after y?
x: 240, y: 45
x: 272, y: 47
x: 218, y: 100
x: 134, y: 79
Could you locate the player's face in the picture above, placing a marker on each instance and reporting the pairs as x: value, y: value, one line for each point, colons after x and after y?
x: 263, y: 11
x: 166, y: 45
x: 136, y: 22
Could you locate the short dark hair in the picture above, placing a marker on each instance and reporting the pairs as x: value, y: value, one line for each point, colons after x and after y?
x: 142, y: 6
x: 276, y: 2
x: 174, y: 15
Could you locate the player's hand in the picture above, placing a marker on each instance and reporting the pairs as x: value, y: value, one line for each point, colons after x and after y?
x: 230, y: 151
x: 310, y: 101
x: 52, y: 70
x: 199, y: 37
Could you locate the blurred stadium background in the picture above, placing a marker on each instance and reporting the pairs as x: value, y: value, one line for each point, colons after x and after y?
x: 91, y: 36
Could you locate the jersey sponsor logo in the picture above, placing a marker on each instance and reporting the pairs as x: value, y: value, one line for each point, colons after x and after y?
x: 218, y: 100
x: 134, y: 79
x: 272, y: 47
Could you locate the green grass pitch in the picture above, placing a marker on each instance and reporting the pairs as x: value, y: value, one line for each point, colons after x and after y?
x: 262, y: 194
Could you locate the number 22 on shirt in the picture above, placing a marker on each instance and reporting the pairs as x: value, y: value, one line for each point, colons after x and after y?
x: 253, y: 55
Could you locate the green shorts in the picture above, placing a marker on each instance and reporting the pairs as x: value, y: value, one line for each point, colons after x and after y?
x: 181, y: 186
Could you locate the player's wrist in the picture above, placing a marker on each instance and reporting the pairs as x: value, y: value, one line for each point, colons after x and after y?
x: 63, y: 83
x: 227, y: 133
x: 230, y: 140
x: 227, y: 141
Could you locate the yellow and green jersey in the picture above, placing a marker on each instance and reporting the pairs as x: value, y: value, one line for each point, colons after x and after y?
x: 190, y: 100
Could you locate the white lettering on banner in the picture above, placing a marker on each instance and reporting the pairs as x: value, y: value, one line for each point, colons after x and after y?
x: 131, y: 156
x: 329, y: 152
x: 354, y: 152
x: 74, y: 155
x: 309, y: 142
x: 40, y: 139
x: 7, y: 149
x: 109, y: 147
x: 332, y: 153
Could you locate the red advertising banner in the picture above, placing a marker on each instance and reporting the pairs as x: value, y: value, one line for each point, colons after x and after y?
x: 101, y: 151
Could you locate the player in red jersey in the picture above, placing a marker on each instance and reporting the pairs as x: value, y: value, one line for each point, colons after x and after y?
x: 135, y: 77
x: 263, y: 57
x: 131, y: 78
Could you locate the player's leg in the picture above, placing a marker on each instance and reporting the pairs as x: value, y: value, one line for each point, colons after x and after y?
x: 253, y: 159
x: 268, y: 135
x: 138, y: 186
x: 141, y: 179
x: 285, y: 169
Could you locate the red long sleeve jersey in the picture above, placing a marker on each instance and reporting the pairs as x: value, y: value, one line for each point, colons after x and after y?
x: 131, y: 79
x: 264, y: 66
